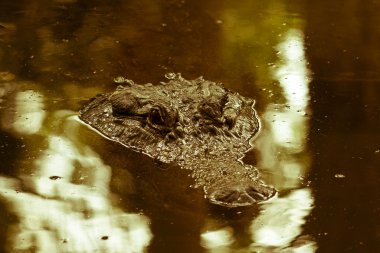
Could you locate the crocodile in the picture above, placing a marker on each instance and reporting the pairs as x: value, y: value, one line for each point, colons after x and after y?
x: 197, y: 124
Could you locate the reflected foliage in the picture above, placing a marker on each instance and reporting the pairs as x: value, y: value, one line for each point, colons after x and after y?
x: 56, y: 54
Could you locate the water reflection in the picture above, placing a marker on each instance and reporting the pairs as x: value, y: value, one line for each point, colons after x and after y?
x: 287, y: 122
x: 292, y: 72
x: 284, y: 152
x: 289, y: 126
x: 64, y: 204
x: 29, y: 112
x: 234, y: 42
x: 277, y: 228
x: 217, y: 241
x: 281, y: 223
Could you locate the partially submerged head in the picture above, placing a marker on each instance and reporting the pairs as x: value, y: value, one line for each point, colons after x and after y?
x: 198, y: 124
x: 175, y: 120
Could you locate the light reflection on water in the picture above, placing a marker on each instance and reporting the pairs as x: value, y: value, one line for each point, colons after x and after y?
x: 282, y: 143
x: 217, y: 241
x: 290, y: 125
x: 54, y: 214
x: 29, y: 112
x: 281, y: 222
x: 278, y: 228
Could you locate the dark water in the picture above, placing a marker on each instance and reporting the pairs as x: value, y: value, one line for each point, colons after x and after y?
x: 312, y: 66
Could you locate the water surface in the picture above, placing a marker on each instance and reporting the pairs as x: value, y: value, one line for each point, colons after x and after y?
x: 312, y: 67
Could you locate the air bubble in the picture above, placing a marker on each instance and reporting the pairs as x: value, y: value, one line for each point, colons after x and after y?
x: 171, y: 76
x: 119, y: 79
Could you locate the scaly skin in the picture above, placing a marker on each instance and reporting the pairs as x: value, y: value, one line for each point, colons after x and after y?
x: 197, y: 124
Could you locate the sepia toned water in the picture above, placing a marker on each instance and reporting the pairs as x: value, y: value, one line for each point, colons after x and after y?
x: 313, y: 68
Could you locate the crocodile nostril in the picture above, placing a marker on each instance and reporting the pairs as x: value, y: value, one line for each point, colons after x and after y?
x: 162, y: 118
x: 231, y: 197
x: 123, y: 103
x: 260, y: 192
x: 225, y: 196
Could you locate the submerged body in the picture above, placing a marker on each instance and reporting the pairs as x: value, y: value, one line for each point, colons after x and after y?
x: 197, y: 124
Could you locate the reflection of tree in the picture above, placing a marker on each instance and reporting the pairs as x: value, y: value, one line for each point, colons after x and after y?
x: 281, y: 224
x: 62, y: 199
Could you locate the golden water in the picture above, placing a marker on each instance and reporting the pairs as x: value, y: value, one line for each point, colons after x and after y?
x: 312, y: 67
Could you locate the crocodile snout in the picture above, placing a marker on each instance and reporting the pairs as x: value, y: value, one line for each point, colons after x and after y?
x: 241, y: 194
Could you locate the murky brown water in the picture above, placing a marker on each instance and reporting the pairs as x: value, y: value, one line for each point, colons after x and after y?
x: 312, y: 66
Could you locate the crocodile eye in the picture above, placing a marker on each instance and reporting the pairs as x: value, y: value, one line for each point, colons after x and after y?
x: 162, y: 118
x: 231, y: 109
x: 123, y: 103
x: 156, y: 116
x: 211, y: 109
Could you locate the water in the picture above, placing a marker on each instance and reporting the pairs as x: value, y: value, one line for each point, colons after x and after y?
x: 312, y: 67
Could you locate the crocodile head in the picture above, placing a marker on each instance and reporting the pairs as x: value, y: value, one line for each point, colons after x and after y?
x: 177, y: 120
x: 198, y: 124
